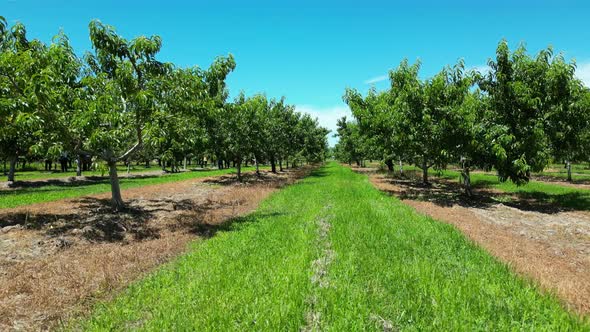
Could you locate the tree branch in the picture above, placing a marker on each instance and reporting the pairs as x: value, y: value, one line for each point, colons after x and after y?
x: 129, y: 152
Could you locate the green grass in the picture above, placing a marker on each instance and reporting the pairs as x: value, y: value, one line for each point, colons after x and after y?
x: 59, y: 190
x: 44, y: 175
x: 580, y: 172
x: 389, y: 264
x: 40, y: 174
x: 543, y: 193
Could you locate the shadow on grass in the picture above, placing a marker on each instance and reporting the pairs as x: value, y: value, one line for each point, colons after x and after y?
x: 319, y: 173
x: 445, y: 192
x: 71, y: 182
x: 200, y: 227
x: 567, y: 201
x: 563, y: 179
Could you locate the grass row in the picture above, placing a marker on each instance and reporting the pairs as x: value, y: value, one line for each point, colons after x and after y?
x: 38, y: 173
x: 392, y: 269
x: 60, y: 190
x: 541, y: 192
x: 45, y: 175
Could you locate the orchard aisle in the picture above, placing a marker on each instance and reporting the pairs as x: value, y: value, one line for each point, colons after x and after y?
x: 333, y: 253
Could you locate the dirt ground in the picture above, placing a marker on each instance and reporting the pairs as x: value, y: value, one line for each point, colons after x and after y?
x: 545, y: 243
x: 58, y: 258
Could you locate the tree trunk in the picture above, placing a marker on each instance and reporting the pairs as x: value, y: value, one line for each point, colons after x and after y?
x: 257, y: 167
x: 116, y: 199
x: 466, y: 179
x: 238, y: 165
x: 287, y: 161
x: 4, y: 167
x: 273, y: 165
x: 569, y: 171
x: 389, y: 163
x: 128, y: 167
x: 401, y: 168
x: 184, y: 164
x: 24, y: 164
x: 79, y: 165
x: 424, y: 172
x: 281, y: 165
x: 12, y: 169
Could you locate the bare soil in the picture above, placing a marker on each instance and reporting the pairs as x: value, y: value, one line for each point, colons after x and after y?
x: 544, y: 243
x: 58, y: 258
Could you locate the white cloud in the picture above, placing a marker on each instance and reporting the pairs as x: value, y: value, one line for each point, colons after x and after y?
x: 483, y: 69
x: 376, y: 79
x: 327, y: 117
x: 583, y: 72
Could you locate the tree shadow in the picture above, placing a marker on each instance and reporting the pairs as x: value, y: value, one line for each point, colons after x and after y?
x: 97, y: 222
x: 69, y: 182
x: 196, y: 224
x: 443, y: 192
x: 558, y: 179
x: 247, y: 178
x: 571, y: 201
x: 319, y: 173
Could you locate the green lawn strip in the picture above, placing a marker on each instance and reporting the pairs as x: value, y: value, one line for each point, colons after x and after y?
x: 398, y: 268
x: 562, y: 176
x: 26, y: 196
x: 46, y: 175
x: 392, y: 269
x: 542, y: 192
x: 254, y: 275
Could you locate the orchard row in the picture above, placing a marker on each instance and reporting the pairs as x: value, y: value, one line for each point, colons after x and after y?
x: 515, y: 117
x: 119, y: 103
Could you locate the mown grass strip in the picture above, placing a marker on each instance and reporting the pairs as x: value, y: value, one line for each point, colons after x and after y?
x: 401, y: 270
x: 62, y: 190
x: 41, y: 174
x: 391, y: 269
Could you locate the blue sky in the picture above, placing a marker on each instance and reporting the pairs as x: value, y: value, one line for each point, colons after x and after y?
x: 309, y: 51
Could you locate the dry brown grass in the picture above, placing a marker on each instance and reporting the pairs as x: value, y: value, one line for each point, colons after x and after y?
x: 52, y: 272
